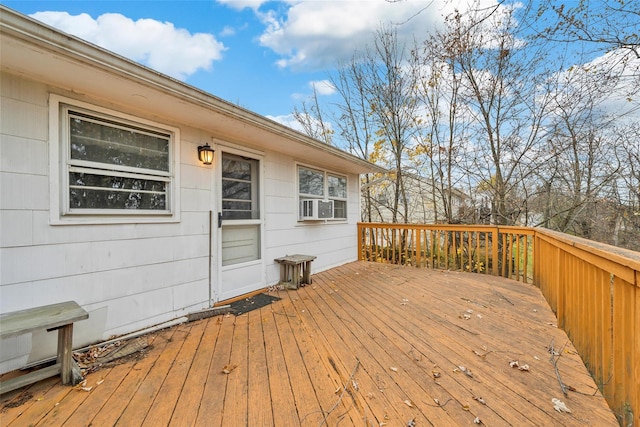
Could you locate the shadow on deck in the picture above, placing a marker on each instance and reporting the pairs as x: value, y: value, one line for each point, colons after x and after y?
x: 366, y: 344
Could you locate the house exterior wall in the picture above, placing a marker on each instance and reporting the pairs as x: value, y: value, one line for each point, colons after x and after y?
x: 128, y: 276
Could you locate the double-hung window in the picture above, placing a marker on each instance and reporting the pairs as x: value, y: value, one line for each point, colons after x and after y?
x: 324, y: 185
x: 113, y: 165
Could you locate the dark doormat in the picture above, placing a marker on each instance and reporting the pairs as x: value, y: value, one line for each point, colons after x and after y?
x: 246, y: 305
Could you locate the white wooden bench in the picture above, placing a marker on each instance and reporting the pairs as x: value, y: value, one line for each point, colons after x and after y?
x: 59, y: 316
x: 295, y: 270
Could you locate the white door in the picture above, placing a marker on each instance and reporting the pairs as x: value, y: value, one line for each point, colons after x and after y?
x: 240, y: 225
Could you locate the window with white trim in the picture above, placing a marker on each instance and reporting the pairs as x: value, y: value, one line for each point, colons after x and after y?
x: 114, y: 166
x: 324, y: 185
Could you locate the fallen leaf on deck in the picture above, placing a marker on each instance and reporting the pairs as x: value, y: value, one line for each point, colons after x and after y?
x: 479, y: 399
x: 516, y: 364
x: 477, y: 420
x: 466, y: 371
x: 465, y: 407
x: 338, y: 390
x: 408, y: 403
x: 82, y: 385
x: 559, y: 405
x: 393, y: 368
x: 354, y: 383
x: 435, y: 374
x: 411, y: 423
x: 228, y: 368
x: 477, y: 353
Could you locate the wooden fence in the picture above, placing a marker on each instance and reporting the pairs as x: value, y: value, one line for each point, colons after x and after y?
x: 593, y: 288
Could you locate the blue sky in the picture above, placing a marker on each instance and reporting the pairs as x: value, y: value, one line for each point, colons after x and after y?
x: 265, y: 56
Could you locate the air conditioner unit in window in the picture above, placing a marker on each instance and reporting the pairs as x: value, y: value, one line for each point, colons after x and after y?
x: 313, y: 209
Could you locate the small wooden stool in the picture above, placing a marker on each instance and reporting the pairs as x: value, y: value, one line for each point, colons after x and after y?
x: 295, y: 270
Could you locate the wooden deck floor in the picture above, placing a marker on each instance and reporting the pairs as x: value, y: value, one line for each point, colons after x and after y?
x: 365, y: 345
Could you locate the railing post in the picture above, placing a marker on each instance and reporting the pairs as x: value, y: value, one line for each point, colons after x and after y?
x: 418, y: 249
x: 360, y: 241
x: 495, y: 255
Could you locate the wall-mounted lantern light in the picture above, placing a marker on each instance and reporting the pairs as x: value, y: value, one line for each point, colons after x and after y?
x: 205, y: 154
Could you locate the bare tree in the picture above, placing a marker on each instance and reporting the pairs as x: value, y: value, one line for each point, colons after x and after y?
x: 354, y: 123
x: 606, y: 24
x: 311, y: 117
x: 481, y: 106
x: 503, y: 92
x: 443, y: 126
x: 627, y: 195
x: 390, y: 85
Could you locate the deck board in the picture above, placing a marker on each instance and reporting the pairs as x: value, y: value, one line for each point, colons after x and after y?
x: 391, y: 327
x: 259, y: 411
x: 215, y: 382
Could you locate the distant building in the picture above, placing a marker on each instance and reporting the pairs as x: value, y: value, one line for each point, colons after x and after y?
x: 426, y: 202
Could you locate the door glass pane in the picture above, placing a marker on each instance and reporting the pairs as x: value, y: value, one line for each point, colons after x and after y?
x: 239, y: 187
x: 240, y: 243
x: 236, y: 168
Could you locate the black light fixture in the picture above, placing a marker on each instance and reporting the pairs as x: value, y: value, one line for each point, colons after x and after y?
x: 205, y: 154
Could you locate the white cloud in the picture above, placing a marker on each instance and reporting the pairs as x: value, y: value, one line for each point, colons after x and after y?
x: 228, y: 31
x: 612, y: 81
x: 159, y: 45
x: 323, y: 87
x: 317, y: 34
x: 242, y: 4
x: 288, y: 120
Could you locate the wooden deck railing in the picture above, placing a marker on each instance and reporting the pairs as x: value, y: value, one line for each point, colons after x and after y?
x: 593, y: 288
x: 504, y: 251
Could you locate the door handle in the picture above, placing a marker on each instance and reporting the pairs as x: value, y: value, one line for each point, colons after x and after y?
x: 219, y: 219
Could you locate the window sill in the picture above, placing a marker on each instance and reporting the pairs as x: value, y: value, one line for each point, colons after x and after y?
x: 113, y: 219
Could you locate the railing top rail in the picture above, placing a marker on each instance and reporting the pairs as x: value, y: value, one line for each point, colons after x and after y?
x: 624, y: 257
x: 617, y: 258
x: 452, y: 227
